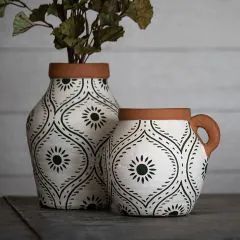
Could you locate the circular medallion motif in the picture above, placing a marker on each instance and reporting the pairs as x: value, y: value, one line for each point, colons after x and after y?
x: 65, y: 83
x: 91, y: 203
x: 57, y: 159
x: 94, y: 117
x: 174, y: 210
x: 125, y: 211
x: 142, y: 169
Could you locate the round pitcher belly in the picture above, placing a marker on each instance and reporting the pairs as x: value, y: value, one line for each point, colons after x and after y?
x: 66, y: 133
x: 157, y: 167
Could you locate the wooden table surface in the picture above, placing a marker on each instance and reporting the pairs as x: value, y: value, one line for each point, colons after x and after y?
x: 214, y: 217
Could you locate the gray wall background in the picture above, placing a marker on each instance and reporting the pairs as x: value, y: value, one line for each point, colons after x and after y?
x: 188, y: 57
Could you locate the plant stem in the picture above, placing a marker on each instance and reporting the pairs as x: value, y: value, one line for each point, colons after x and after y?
x: 85, y: 60
x: 70, y: 52
x: 25, y: 5
x: 14, y: 4
x: 81, y: 60
x: 86, y: 21
x: 41, y: 25
x: 49, y: 24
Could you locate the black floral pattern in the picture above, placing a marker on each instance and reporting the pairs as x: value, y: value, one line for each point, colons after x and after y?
x: 57, y: 159
x: 30, y: 120
x: 92, y: 203
x: 174, y: 210
x: 42, y: 200
x: 65, y: 83
x: 125, y: 211
x: 204, y: 169
x: 103, y: 83
x: 142, y: 169
x: 94, y: 117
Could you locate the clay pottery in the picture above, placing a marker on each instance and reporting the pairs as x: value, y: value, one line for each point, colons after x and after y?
x: 66, y: 131
x: 158, y: 162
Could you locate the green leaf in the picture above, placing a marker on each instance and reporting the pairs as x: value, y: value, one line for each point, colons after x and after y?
x: 111, y: 6
x: 96, y: 5
x: 59, y: 39
x: 80, y: 49
x: 108, y: 34
x: 21, y: 23
x: 4, y: 2
x: 67, y: 4
x: 38, y: 14
x: 74, y: 4
x: 2, y: 11
x: 70, y: 42
x: 83, y: 2
x: 3, y: 5
x: 59, y: 44
x: 66, y: 35
x: 53, y: 9
x: 141, y: 12
x: 73, y: 26
x: 124, y: 5
x: 56, y: 10
x: 111, y: 33
x: 109, y: 19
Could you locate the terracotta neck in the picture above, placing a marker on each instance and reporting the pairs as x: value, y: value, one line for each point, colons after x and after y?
x: 155, y: 114
x: 86, y: 70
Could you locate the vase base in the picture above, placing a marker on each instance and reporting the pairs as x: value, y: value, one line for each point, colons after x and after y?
x: 90, y: 207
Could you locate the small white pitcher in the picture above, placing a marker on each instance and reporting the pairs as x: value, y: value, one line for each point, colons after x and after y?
x: 158, y: 162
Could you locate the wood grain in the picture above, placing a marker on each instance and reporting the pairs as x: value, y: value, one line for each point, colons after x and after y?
x: 11, y: 226
x: 215, y: 217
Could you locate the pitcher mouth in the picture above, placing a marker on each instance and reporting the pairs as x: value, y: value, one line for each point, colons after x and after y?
x: 76, y: 70
x: 154, y: 114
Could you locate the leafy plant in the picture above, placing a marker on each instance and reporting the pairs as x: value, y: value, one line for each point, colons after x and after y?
x: 78, y: 32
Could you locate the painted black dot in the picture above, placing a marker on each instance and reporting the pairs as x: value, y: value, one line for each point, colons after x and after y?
x: 57, y: 160
x: 94, y: 116
x: 142, y: 169
x: 173, y: 214
x: 66, y: 81
x: 91, y: 206
x: 105, y: 81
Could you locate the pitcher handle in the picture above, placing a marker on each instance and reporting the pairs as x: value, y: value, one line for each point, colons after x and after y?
x: 212, y: 129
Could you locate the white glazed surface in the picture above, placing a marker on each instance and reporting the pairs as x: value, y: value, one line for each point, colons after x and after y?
x: 156, y: 168
x: 66, y: 133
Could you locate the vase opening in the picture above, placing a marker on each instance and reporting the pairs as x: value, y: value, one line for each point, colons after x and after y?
x: 155, y: 114
x: 86, y: 70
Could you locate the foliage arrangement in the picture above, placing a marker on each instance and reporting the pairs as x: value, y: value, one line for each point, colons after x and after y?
x: 84, y: 24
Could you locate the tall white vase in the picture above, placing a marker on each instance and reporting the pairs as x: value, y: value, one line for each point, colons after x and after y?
x: 66, y: 132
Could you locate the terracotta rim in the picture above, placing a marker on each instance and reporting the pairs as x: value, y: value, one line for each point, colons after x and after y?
x: 86, y: 70
x: 155, y: 114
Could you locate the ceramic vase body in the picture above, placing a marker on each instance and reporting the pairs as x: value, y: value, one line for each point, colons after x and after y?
x: 66, y: 131
x: 156, y: 168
